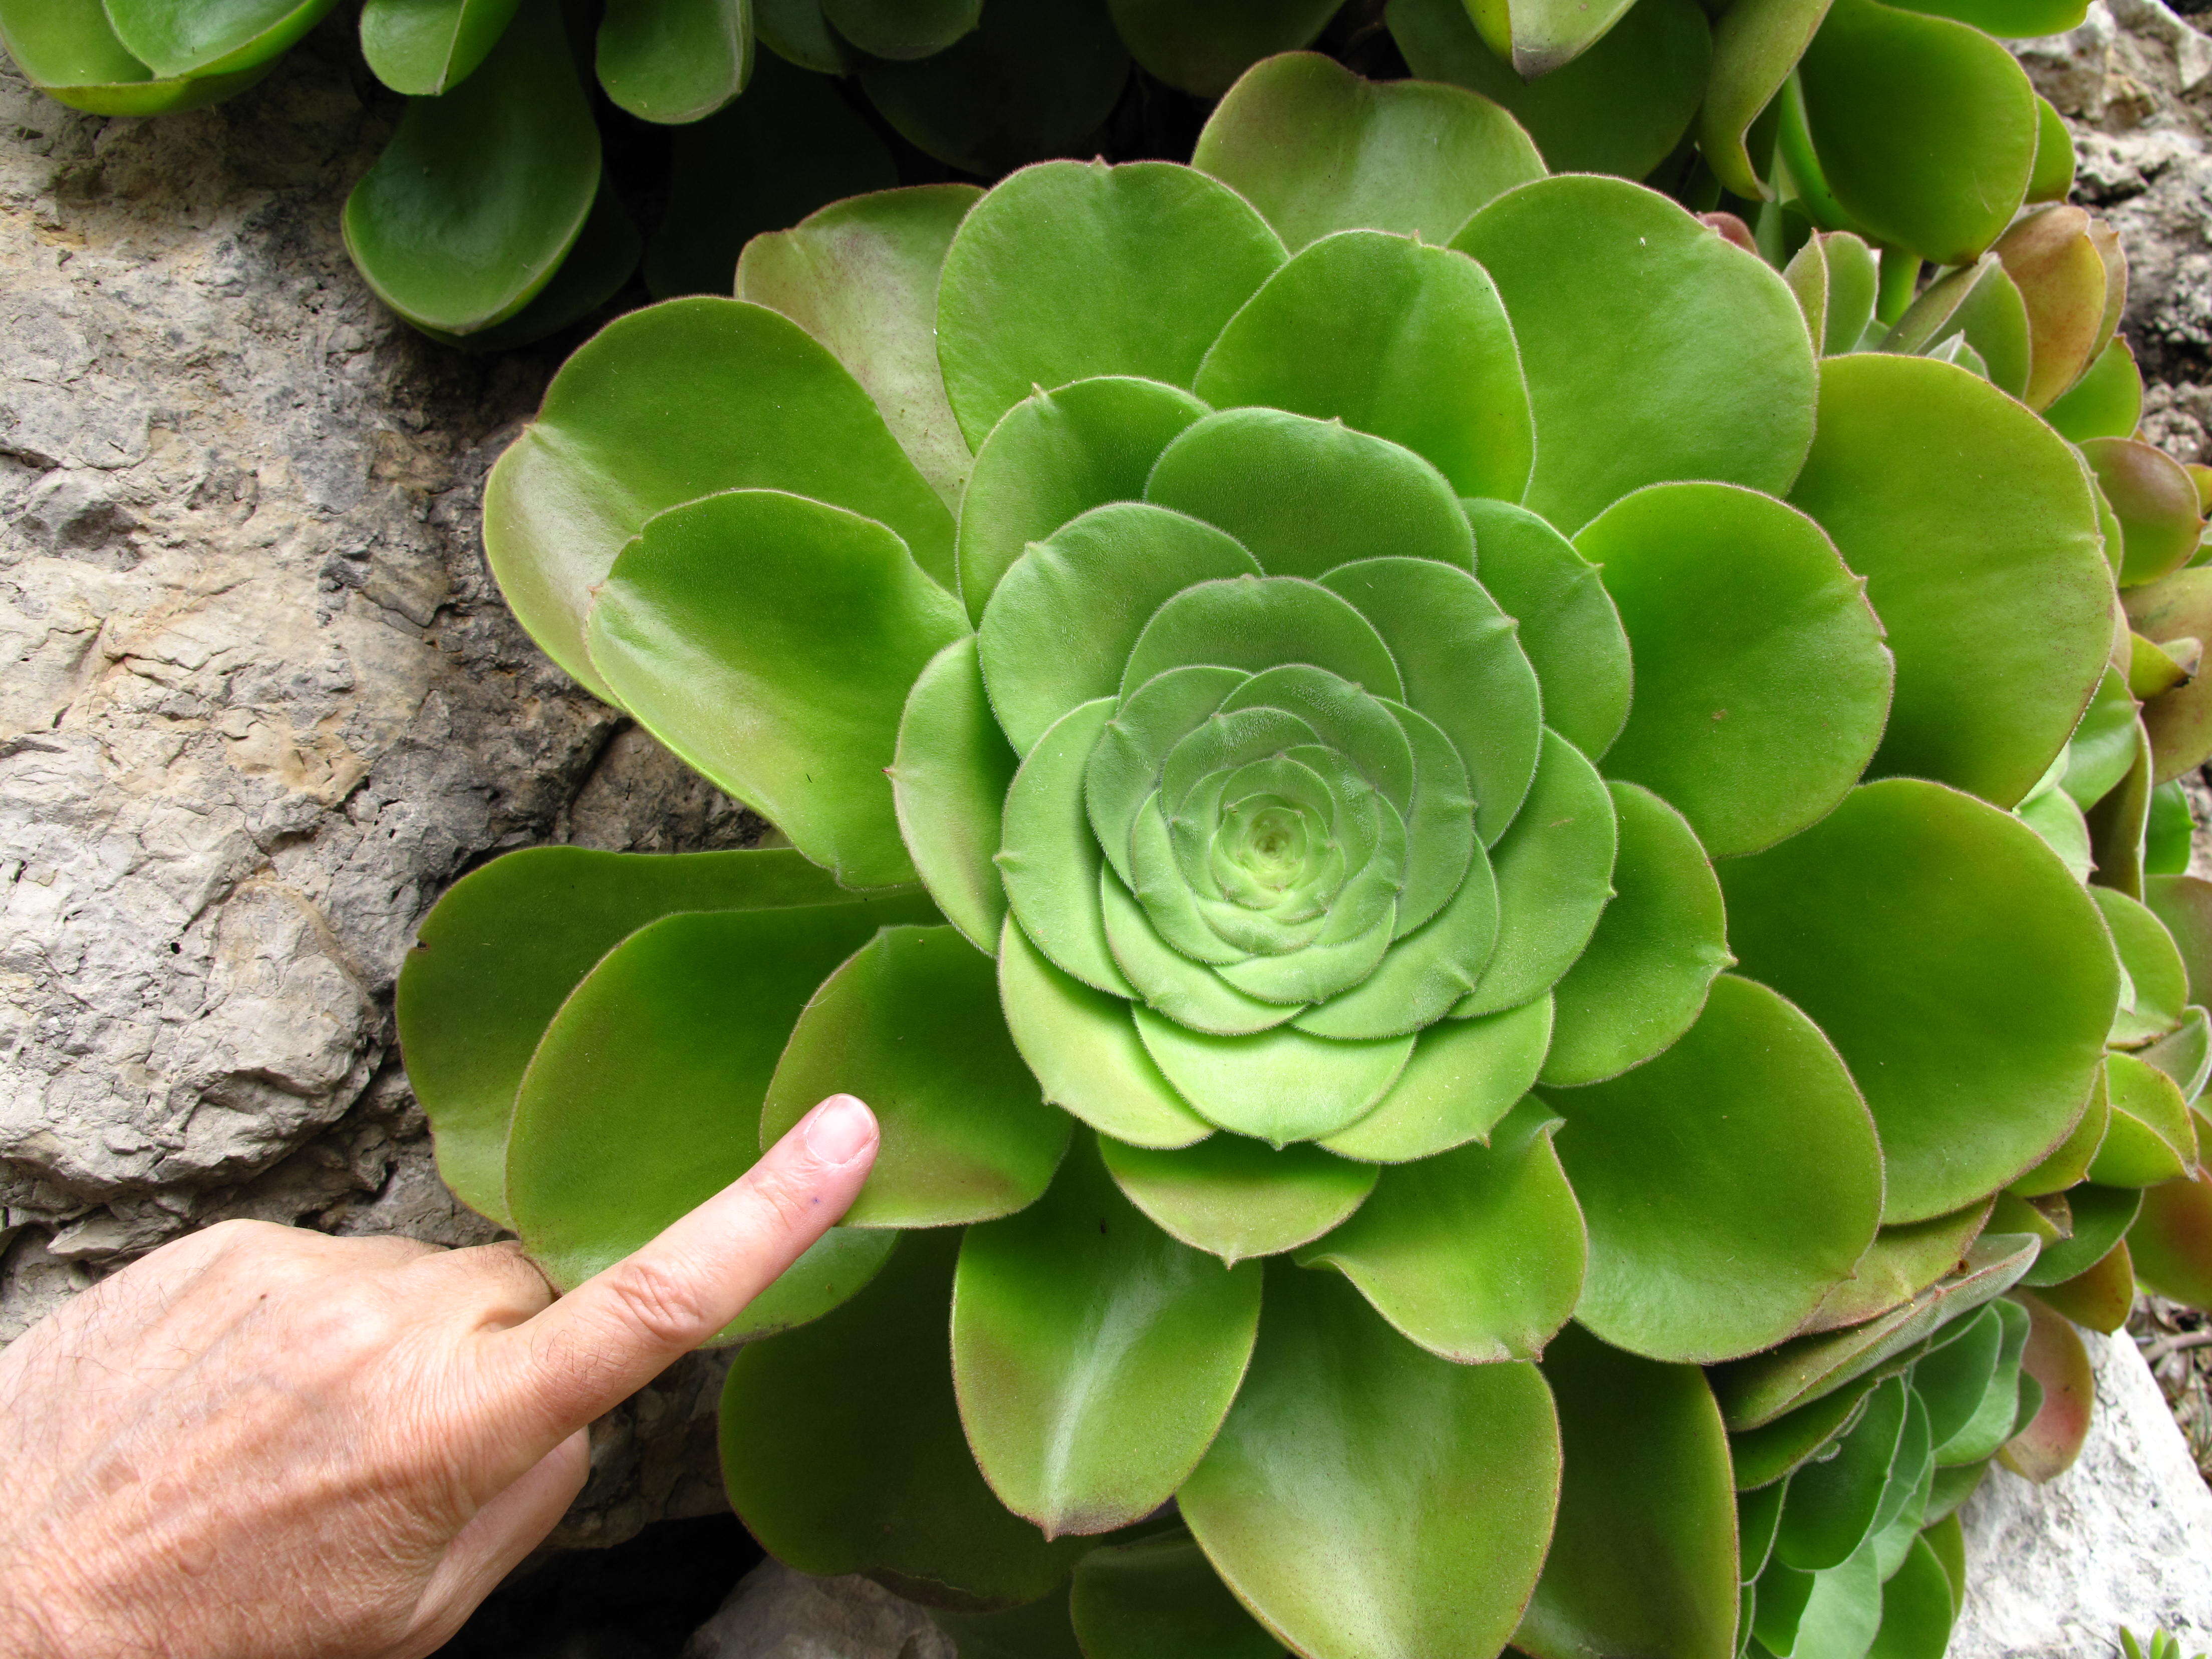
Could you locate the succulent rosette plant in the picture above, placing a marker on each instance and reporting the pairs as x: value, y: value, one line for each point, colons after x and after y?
x: 1401, y: 798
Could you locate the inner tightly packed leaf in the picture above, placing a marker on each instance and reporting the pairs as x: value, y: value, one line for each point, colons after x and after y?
x: 1510, y: 819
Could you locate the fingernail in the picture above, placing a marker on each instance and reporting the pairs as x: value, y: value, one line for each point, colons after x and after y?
x: 839, y: 1130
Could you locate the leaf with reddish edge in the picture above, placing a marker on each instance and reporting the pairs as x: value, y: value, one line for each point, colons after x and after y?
x: 2055, y: 1358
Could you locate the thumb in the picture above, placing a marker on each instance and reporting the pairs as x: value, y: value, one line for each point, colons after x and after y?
x: 620, y: 1328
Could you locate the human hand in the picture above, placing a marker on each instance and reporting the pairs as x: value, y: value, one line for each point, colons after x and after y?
x: 262, y: 1441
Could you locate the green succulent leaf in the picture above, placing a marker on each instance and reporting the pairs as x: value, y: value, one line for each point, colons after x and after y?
x: 1318, y: 150
x: 1053, y: 457
x: 675, y: 61
x: 1160, y: 1598
x: 1463, y: 670
x: 1837, y: 282
x: 1981, y: 305
x: 843, y: 1449
x: 797, y: 32
x: 2156, y: 989
x: 2178, y: 723
x: 480, y: 193
x: 1569, y: 628
x: 1236, y: 1198
x: 1255, y: 623
x: 911, y: 1025
x: 2170, y: 1244
x: 1762, y: 686
x: 1658, y: 946
x: 1094, y: 1356
x: 1621, y: 108
x: 2155, y: 501
x: 1901, y: 1263
x: 602, y: 259
x: 1994, y: 596
x: 1041, y: 1630
x: 1049, y: 860
x: 1083, y: 1046
x: 500, y: 953
x: 2013, y: 20
x: 1755, y: 1392
x: 1464, y: 1076
x: 1758, y: 1513
x: 1654, y: 349
x: 69, y: 50
x: 1424, y: 1490
x: 424, y: 47
x: 2107, y: 402
x: 781, y: 675
x: 1032, y: 80
x: 2151, y: 1139
x: 1073, y: 270
x: 902, y: 28
x: 1764, y: 1458
x: 1279, y: 1085
x: 1887, y: 89
x: 1554, y: 870
x: 1475, y: 1253
x: 1918, y: 1608
x: 1951, y: 959
x: 210, y: 37
x: 1832, y: 1503
x: 1644, y: 1555
x: 861, y: 277
x: 668, y: 404
x: 1538, y: 37
x: 666, y: 1043
x: 950, y: 773
x: 1773, y: 1188
x: 1756, y: 45
x: 1421, y: 354
x: 1061, y: 622
x: 1953, y: 1380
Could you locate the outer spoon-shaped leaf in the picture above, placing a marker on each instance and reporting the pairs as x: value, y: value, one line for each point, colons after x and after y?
x: 780, y: 673
x: 675, y: 61
x: 1540, y: 36
x: 1072, y: 270
x: 1653, y: 349
x: 1317, y: 149
x: 68, y: 50
x: 1951, y: 959
x: 1773, y: 1187
x: 482, y: 192
x: 1424, y: 1491
x: 1761, y: 682
x: 949, y: 780
x: 1094, y: 1356
x: 424, y: 47
x: 210, y: 37
x: 662, y: 1049
x: 861, y: 276
x: 842, y: 1450
x: 911, y: 1025
x: 601, y: 260
x: 2171, y: 1241
x: 1885, y: 89
x: 1994, y: 596
x: 1236, y: 1198
x: 1621, y: 108
x: 507, y: 943
x: 664, y: 406
x: 1644, y: 1558
x: 1569, y: 627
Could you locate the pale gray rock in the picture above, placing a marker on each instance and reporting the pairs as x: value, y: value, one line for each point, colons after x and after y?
x: 777, y: 1613
x: 260, y: 704
x: 2122, y: 1538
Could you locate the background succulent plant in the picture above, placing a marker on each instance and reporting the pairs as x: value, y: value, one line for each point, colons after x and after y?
x: 498, y: 213
x: 1289, y: 685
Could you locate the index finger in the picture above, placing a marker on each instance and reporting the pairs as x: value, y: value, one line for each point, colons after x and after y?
x: 620, y: 1328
